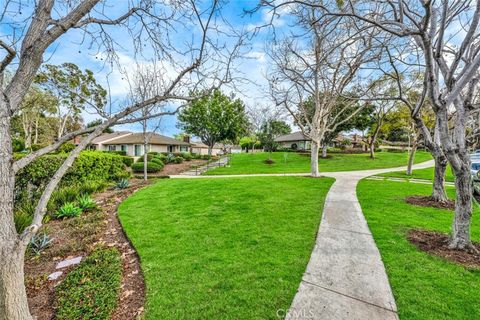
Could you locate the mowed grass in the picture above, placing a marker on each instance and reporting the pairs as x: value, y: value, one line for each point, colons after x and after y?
x: 424, y: 286
x: 292, y: 162
x: 223, y: 248
x: 426, y: 174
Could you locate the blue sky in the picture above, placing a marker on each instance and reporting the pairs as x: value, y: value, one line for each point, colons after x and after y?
x: 71, y: 49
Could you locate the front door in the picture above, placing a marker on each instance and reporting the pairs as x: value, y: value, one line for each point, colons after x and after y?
x: 138, y: 150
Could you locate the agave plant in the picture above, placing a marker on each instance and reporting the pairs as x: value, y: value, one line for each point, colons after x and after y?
x: 122, y: 184
x: 40, y: 242
x: 86, y: 203
x: 68, y: 210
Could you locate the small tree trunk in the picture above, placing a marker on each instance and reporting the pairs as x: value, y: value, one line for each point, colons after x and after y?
x: 411, y: 156
x: 463, y: 210
x: 438, y: 193
x: 210, y: 150
x: 371, y: 146
x: 314, y: 159
x: 145, y: 162
x: 324, y: 151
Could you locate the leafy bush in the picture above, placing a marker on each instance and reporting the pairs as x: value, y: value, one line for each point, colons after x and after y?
x: 169, y: 158
x: 36, y: 147
x: 149, y: 158
x: 61, y: 196
x: 122, y: 184
x: 91, y: 290
x: 92, y: 186
x: 86, y: 203
x: 158, y: 161
x: 178, y: 159
x: 66, y: 147
x: 152, y: 167
x: 68, y: 210
x: 187, y: 156
x: 117, y: 152
x: 197, y: 156
x: 161, y: 157
x: 22, y: 219
x: 128, y: 161
x: 40, y: 242
x: 206, y: 157
x: 18, y: 145
x: 153, y: 153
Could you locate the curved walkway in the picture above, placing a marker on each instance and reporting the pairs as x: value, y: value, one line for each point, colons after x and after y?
x: 345, y: 277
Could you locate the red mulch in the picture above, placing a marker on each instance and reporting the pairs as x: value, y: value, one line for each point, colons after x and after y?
x: 426, y: 201
x: 436, y: 243
x: 93, y: 228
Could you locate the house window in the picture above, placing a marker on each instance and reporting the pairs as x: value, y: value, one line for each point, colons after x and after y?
x: 123, y: 147
x: 183, y: 149
x: 112, y: 148
x: 171, y: 148
x: 138, y: 150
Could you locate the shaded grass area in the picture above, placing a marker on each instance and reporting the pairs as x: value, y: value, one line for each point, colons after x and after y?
x: 91, y: 290
x: 291, y: 162
x: 425, y: 174
x: 424, y: 286
x: 224, y: 248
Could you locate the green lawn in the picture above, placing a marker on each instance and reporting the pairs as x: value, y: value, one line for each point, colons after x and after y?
x: 224, y: 248
x: 425, y: 287
x: 426, y: 174
x: 291, y: 162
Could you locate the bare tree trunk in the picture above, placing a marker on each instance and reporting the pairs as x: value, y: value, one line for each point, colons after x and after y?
x: 371, y: 147
x: 145, y: 162
x: 210, y: 150
x: 13, y: 296
x: 411, y: 156
x: 314, y: 159
x: 324, y: 151
x: 35, y: 139
x: 463, y: 210
x: 438, y: 193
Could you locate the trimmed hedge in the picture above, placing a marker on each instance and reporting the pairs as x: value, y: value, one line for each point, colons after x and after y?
x: 149, y: 158
x: 128, y: 161
x: 158, y: 161
x: 91, y: 290
x: 117, y: 152
x: 152, y: 167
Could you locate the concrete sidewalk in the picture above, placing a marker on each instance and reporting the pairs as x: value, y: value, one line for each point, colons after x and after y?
x: 345, y: 277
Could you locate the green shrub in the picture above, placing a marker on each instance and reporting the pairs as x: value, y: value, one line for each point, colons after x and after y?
x: 68, y: 210
x: 66, y: 147
x: 161, y: 157
x: 169, y: 158
x: 91, y: 290
x: 178, y: 160
x: 92, y: 186
x: 86, y: 203
x: 18, y: 145
x: 149, y: 158
x: 152, y: 167
x: 22, y: 219
x: 122, y: 184
x: 117, y: 152
x: 128, y: 161
x: 37, y: 146
x: 187, y: 156
x: 153, y: 153
x: 40, y: 242
x: 158, y: 161
x: 206, y: 157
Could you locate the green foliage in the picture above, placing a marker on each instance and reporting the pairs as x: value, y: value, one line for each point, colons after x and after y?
x: 122, y: 184
x: 178, y: 160
x: 157, y: 161
x: 22, y: 218
x: 149, y: 158
x: 119, y: 152
x: 68, y: 210
x: 66, y: 147
x: 37, y: 146
x: 91, y: 290
x: 18, y: 145
x: 40, y: 242
x: 169, y: 158
x: 187, y: 156
x: 152, y: 167
x: 86, y: 203
x: 97, y: 122
x: 269, y: 131
x: 128, y: 161
x: 214, y: 118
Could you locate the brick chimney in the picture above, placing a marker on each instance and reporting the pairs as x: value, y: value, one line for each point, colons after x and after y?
x: 186, y: 138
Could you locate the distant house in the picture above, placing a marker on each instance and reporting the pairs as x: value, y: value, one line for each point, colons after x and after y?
x: 199, y: 147
x: 132, y: 143
x: 295, y: 141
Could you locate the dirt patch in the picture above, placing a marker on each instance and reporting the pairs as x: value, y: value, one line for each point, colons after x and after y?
x: 436, y: 243
x: 268, y: 161
x: 175, y: 168
x: 427, y: 201
x: 77, y: 237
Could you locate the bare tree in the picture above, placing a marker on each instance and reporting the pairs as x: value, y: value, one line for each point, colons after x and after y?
x: 198, y: 63
x: 446, y: 33
x: 316, y: 66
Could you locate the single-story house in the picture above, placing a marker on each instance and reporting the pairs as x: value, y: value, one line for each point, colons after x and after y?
x: 295, y: 141
x: 132, y: 143
x: 199, y: 147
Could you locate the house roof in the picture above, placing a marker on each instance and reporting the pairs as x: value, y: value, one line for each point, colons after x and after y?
x: 108, y: 136
x: 199, y: 144
x: 294, y: 136
x: 137, y: 138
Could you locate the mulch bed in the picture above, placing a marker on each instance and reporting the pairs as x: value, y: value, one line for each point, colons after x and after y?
x: 70, y: 242
x: 175, y: 168
x: 427, y: 201
x: 436, y: 243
